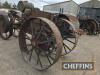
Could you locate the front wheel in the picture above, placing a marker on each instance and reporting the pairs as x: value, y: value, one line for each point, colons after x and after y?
x: 5, y: 31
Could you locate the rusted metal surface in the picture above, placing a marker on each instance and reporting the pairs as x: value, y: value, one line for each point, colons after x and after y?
x: 42, y: 14
x: 49, y: 29
x: 90, y: 26
x: 71, y: 18
x: 75, y: 21
x: 44, y: 33
x: 5, y: 32
x: 90, y: 14
x: 68, y: 32
x: 73, y: 39
x: 10, y: 22
x: 76, y: 24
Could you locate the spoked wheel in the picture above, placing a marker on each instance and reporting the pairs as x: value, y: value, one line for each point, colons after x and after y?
x: 70, y: 37
x: 92, y: 27
x: 40, y: 43
x: 5, y: 32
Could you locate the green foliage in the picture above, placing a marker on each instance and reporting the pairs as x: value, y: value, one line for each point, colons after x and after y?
x: 6, y: 5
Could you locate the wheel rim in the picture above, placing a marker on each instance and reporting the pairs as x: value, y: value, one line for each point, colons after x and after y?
x: 91, y: 27
x: 4, y: 34
x: 70, y: 37
x: 44, y: 47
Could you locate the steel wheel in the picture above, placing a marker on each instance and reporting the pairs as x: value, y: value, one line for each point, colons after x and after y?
x: 40, y: 43
x: 70, y: 37
x: 5, y: 32
x: 92, y: 27
x: 71, y: 40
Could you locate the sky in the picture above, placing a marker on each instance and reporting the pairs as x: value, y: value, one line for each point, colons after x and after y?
x: 40, y: 3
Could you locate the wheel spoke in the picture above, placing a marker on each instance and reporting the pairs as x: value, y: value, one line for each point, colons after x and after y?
x: 51, y: 58
x: 38, y: 59
x: 32, y: 30
x: 39, y: 34
x: 46, y: 29
x: 48, y: 56
x: 49, y: 40
x: 48, y: 59
x: 67, y: 46
x: 30, y: 57
x: 65, y: 49
x: 70, y: 41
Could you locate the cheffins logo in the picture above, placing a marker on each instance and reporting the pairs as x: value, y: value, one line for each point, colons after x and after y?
x: 78, y: 65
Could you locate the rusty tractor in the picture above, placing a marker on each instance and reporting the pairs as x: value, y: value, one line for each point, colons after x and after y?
x: 89, y: 18
x: 90, y: 26
x: 43, y: 37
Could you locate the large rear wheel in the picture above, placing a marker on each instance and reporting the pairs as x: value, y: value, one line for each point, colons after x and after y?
x: 40, y: 43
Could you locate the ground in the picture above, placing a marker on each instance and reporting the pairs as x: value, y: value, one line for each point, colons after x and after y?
x: 12, y: 63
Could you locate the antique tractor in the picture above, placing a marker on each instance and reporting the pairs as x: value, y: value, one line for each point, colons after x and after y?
x: 9, y: 20
x: 90, y: 26
x: 89, y: 18
x: 43, y: 36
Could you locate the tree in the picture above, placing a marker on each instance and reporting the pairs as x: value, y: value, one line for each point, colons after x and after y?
x: 6, y: 5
